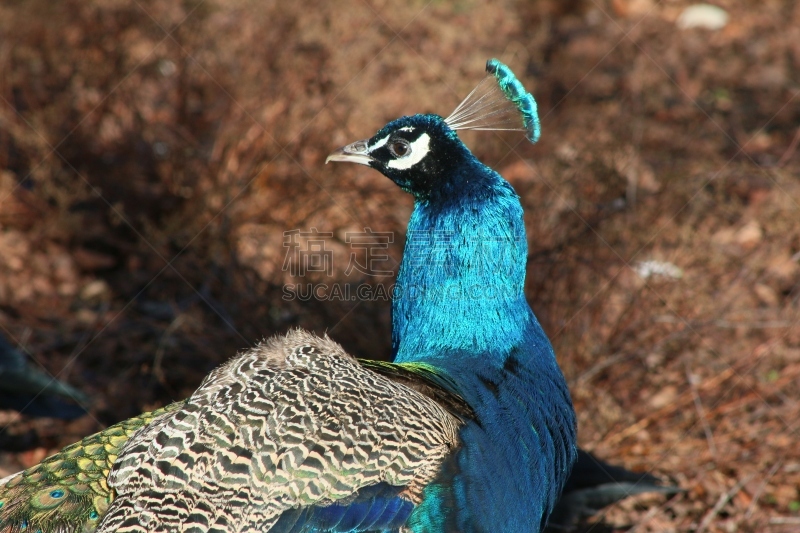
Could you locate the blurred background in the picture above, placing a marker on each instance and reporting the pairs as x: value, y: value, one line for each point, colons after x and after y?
x: 153, y: 154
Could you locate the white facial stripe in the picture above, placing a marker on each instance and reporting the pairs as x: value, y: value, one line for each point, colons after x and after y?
x: 406, y: 128
x: 379, y: 144
x: 419, y: 149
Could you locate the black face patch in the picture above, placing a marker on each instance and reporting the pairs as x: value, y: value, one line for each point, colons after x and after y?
x: 397, y: 145
x: 420, y: 153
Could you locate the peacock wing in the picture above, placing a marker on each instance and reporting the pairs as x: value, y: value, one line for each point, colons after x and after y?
x: 293, y: 435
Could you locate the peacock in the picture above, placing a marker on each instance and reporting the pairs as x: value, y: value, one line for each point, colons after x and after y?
x: 459, y: 311
x: 471, y: 428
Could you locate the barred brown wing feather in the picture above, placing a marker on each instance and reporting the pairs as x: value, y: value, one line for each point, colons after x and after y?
x: 293, y: 422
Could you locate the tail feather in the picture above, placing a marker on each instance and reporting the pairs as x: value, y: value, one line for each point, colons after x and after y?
x: 594, y: 485
x: 67, y: 492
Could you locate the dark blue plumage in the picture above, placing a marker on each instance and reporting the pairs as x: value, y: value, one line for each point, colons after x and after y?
x: 375, y: 508
x: 460, y: 312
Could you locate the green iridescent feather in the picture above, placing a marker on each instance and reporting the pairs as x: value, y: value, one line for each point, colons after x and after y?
x: 67, y: 492
x: 425, y: 379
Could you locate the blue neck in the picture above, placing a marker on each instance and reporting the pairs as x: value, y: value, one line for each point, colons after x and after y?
x: 461, y: 281
x: 460, y: 307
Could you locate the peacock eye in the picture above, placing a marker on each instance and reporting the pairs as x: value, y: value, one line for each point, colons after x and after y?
x: 400, y: 148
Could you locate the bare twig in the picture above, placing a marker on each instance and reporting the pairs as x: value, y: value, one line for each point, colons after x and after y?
x: 723, y: 500
x: 649, y: 515
x: 790, y: 150
x: 600, y: 366
x: 776, y: 520
x: 701, y: 411
x: 711, y: 383
x: 668, y: 409
x: 761, y: 487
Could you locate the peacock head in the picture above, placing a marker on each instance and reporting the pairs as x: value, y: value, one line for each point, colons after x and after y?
x: 423, y: 154
x: 420, y: 153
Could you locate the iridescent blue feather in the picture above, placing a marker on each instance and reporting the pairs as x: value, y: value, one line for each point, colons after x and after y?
x: 498, y: 102
x: 462, y: 311
x: 515, y: 92
x: 375, y: 508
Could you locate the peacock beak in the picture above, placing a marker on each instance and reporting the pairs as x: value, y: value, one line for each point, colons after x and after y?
x: 357, y: 152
